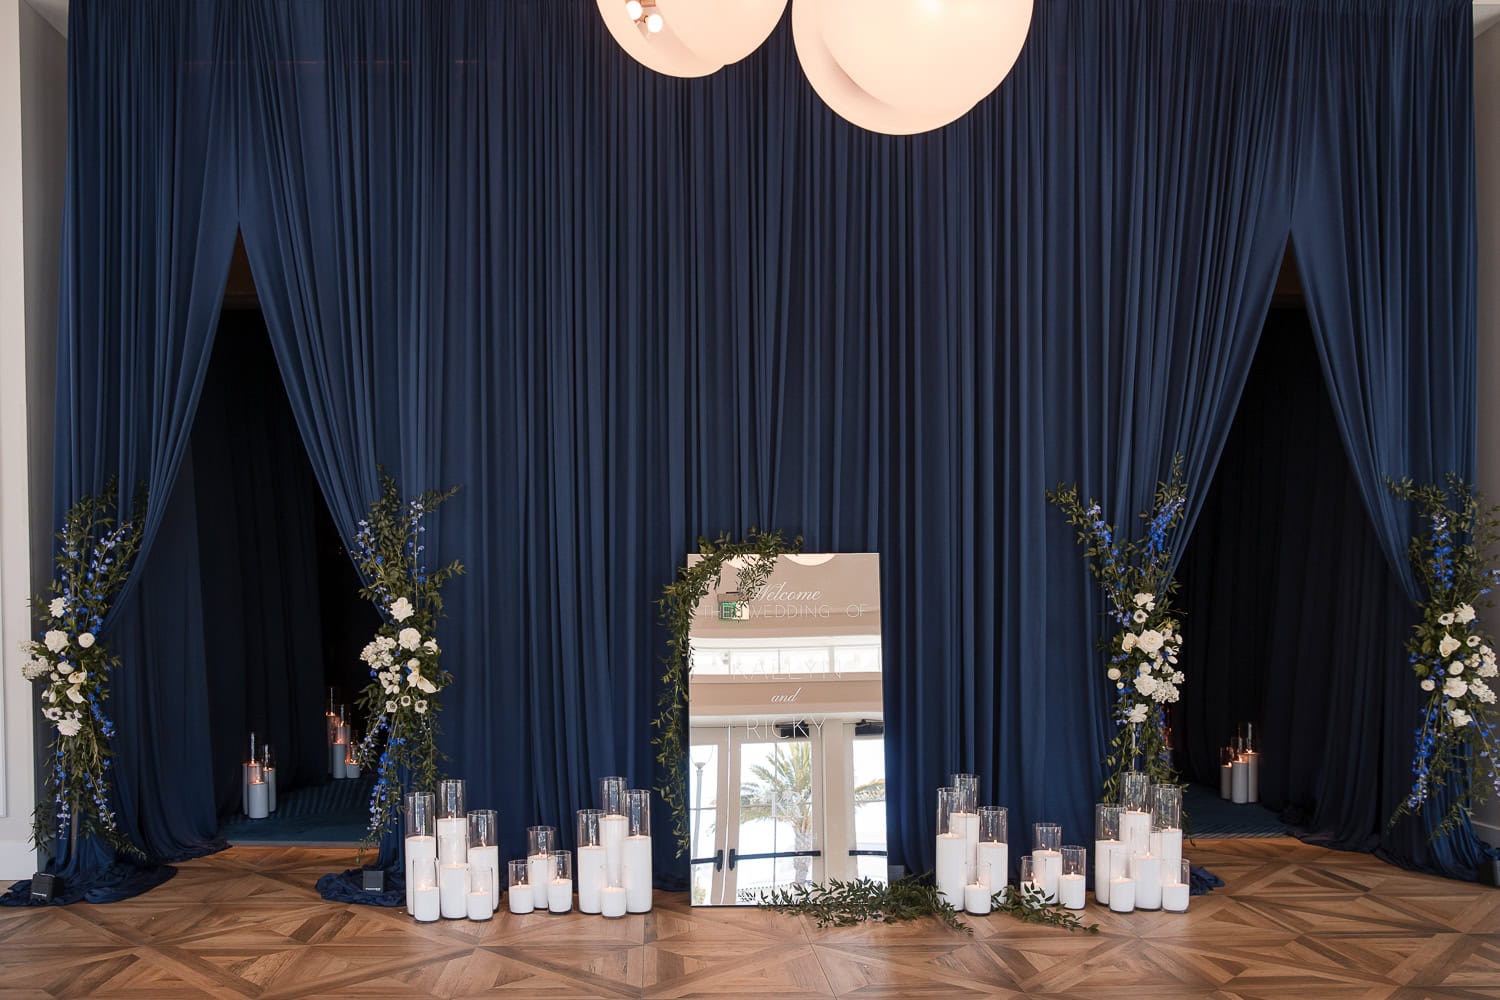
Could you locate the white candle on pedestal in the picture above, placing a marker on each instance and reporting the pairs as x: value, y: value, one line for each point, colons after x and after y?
x: 481, y: 902
x: 1048, y: 868
x: 487, y: 856
x: 521, y: 899
x: 637, y: 874
x: 952, y: 853
x: 453, y: 840
x: 1122, y: 894
x: 1104, y: 851
x: 997, y: 856
x: 539, y: 871
x: 1072, y: 891
x: 1240, y: 782
x: 1174, y: 897
x: 1226, y: 781
x: 426, y: 904
x: 591, y: 864
x: 418, y: 848
x: 612, y: 900
x: 967, y: 824
x: 1145, y: 869
x: 260, y: 800
x: 1135, y: 831
x: 1167, y: 845
x: 560, y: 895
x: 453, y: 890
x: 977, y: 898
x: 612, y: 828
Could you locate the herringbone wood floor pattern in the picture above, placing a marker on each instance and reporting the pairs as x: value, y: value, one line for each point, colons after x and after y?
x: 1294, y: 921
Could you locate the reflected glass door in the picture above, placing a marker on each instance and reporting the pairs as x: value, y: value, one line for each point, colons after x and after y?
x: 777, y: 819
x: 869, y: 807
x: 706, y: 817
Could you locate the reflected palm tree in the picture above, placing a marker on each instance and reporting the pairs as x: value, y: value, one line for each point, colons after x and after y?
x: 783, y: 792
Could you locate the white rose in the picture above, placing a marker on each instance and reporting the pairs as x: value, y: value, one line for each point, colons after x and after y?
x: 1447, y: 645
x: 1456, y: 667
x: 57, y: 608
x: 1146, y: 685
x: 74, y: 696
x: 1429, y: 684
x: 1473, y: 641
x: 410, y: 638
x: 1149, y: 641
x: 421, y: 707
x: 86, y: 640
x: 390, y: 706
x: 69, y: 726
x: 1114, y: 673
x: 1128, y: 643
x: 1446, y: 618
x: 1464, y: 613
x: 1459, y: 716
x: 1454, y: 687
x: 1145, y: 600
x: 401, y: 609
x: 1140, y: 617
x: 56, y: 641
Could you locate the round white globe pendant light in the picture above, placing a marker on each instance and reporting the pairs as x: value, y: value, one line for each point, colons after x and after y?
x: 722, y: 31
x: 647, y: 37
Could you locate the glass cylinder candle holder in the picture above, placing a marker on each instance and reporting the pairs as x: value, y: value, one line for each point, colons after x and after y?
x: 518, y: 880
x: 992, y: 851
x: 638, y: 812
x: 952, y: 847
x: 1027, y: 883
x: 1046, y: 858
x: 1106, y: 821
x: 426, y: 901
x: 1166, y: 807
x: 560, y: 888
x: 612, y: 795
x: 541, y: 841
x: 484, y: 847
x: 948, y: 803
x: 452, y: 822
x: 1247, y: 737
x: 1046, y: 837
x: 1135, y: 791
x: 636, y: 856
x: 993, y: 823
x: 1072, y: 887
x: 592, y: 857
x: 419, y: 845
x: 450, y: 799
x: 977, y: 890
x: 1175, y: 894
x: 968, y: 791
x: 612, y: 896
x: 254, y: 772
x: 481, y: 899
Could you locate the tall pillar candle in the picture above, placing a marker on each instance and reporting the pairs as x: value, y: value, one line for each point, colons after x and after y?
x: 1145, y: 869
x: 1104, y: 860
x: 484, y: 849
x: 952, y: 852
x: 260, y: 799
x: 636, y: 857
x: 966, y: 815
x: 541, y: 841
x: 419, y: 847
x: 420, y: 850
x: 612, y: 825
x: 996, y: 856
x: 1046, y: 857
x: 337, y: 752
x: 967, y: 824
x: 589, y: 869
x: 1240, y: 782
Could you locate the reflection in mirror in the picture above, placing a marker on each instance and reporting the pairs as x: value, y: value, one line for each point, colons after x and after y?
x: 787, y: 776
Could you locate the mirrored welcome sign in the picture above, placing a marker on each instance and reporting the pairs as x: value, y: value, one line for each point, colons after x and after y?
x: 787, y: 776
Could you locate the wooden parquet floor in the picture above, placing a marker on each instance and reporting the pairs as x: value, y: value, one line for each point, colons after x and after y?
x: 1294, y: 921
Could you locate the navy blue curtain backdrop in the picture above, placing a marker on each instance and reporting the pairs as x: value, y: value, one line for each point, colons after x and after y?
x: 623, y: 310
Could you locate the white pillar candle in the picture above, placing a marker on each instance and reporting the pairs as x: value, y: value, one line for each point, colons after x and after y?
x: 977, y: 898
x: 487, y: 857
x: 418, y: 848
x: 1145, y: 869
x: 591, y: 863
x: 1240, y: 778
x: 1072, y: 891
x: 1226, y: 781
x: 426, y: 904
x: 270, y: 776
x: 612, y: 900
x: 1122, y: 894
x: 997, y: 856
x: 952, y: 852
x: 1252, y: 776
x: 453, y: 840
x: 481, y: 902
x: 453, y: 890
x: 638, y: 874
x: 521, y: 899
x: 1135, y: 831
x: 967, y: 824
x: 560, y: 895
x: 539, y: 871
x: 1174, y: 897
x: 1104, y: 852
x: 612, y: 832
x: 1167, y: 845
x: 336, y: 754
x: 260, y: 800
x: 1048, y: 868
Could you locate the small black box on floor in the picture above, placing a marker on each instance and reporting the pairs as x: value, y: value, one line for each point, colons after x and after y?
x: 374, y: 880
x: 44, y: 887
x: 1489, y: 872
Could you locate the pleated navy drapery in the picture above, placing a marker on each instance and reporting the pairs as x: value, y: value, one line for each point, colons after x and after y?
x: 623, y: 310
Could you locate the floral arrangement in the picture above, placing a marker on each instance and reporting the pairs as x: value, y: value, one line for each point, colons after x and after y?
x: 1452, y: 657
x: 1142, y: 653
x: 401, y: 701
x: 73, y: 666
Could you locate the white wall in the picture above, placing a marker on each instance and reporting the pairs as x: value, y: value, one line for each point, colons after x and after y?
x: 1487, y: 140
x: 33, y: 147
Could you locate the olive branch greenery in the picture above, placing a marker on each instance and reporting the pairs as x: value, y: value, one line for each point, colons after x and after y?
x: 756, y: 557
x: 841, y: 903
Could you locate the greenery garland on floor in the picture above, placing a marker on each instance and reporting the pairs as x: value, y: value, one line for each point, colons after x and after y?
x: 400, y: 702
x: 849, y: 903
x: 73, y: 666
x: 755, y: 557
x: 1141, y: 656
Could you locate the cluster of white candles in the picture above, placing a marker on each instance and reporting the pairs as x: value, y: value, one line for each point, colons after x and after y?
x: 1138, y: 862
x: 1239, y: 767
x: 258, y: 782
x: 453, y: 858
x: 973, y: 858
x: 341, y: 742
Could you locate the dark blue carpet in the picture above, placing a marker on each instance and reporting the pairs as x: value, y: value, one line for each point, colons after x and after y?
x: 333, y: 814
x: 1207, y: 815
